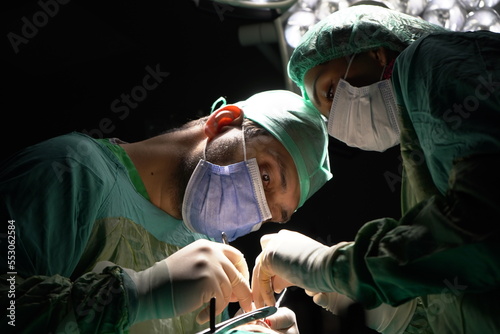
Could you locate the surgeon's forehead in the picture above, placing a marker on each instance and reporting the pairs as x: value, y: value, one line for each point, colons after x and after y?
x: 263, y: 140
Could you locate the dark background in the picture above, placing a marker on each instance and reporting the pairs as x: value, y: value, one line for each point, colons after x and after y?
x: 68, y: 72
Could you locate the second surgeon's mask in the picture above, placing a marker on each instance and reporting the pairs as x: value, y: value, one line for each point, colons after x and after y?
x: 227, y: 199
x: 364, y: 117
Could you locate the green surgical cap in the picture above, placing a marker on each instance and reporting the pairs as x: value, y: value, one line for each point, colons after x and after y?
x: 300, y: 128
x: 354, y: 30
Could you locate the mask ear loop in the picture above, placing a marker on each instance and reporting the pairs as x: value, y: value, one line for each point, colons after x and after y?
x: 348, y: 65
x: 244, y: 143
x: 223, y: 103
x: 205, y: 150
x: 220, y: 100
x: 382, y: 74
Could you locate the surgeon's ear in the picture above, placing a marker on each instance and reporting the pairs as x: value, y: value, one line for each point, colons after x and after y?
x: 382, y: 55
x: 229, y: 115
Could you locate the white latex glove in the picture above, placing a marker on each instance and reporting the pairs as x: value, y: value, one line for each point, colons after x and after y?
x: 189, y: 278
x: 384, y: 319
x: 333, y: 302
x: 290, y: 258
x: 283, y: 321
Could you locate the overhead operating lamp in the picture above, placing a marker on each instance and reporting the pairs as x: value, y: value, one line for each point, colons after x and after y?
x: 292, y: 18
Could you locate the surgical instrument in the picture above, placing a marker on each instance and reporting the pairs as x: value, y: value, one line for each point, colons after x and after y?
x: 244, y: 318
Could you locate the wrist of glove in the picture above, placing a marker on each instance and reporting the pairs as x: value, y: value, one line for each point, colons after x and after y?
x: 333, y: 302
x: 384, y: 319
x: 290, y: 258
x: 188, y: 279
x: 389, y: 319
x: 299, y: 259
x: 150, y: 284
x: 143, y: 287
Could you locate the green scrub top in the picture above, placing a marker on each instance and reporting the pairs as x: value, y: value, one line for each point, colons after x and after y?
x: 445, y: 250
x: 90, y: 206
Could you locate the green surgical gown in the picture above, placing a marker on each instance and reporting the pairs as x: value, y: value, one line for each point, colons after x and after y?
x: 445, y: 251
x: 73, y: 201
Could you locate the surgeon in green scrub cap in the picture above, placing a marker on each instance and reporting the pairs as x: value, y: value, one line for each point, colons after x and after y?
x: 382, y: 79
x: 111, y: 236
x: 313, y: 167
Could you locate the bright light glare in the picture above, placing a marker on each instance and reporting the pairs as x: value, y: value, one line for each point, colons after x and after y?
x: 297, y: 25
x: 326, y: 7
x: 458, y: 15
x: 483, y: 19
x: 447, y: 13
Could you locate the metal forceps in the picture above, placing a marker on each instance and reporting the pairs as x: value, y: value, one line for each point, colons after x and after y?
x: 244, y: 318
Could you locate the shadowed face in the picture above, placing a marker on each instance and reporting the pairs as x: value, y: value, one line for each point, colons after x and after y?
x: 321, y: 81
x: 277, y: 168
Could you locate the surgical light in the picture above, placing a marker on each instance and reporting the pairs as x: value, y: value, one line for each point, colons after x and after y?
x: 457, y: 15
x: 291, y: 19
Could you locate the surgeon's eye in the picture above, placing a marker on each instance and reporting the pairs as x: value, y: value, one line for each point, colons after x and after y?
x: 330, y: 93
x: 265, y: 179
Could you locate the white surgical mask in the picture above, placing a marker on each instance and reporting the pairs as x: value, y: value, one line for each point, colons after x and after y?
x: 227, y: 199
x: 364, y: 117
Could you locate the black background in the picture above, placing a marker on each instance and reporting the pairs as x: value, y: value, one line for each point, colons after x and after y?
x: 78, y: 61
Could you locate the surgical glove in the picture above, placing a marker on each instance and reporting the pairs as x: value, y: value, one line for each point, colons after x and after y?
x: 384, y: 319
x: 189, y: 278
x: 283, y: 321
x: 290, y: 258
x: 333, y: 302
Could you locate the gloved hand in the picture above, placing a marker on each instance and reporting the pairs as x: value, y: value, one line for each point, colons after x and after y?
x: 333, y: 302
x: 290, y: 258
x: 188, y: 279
x: 283, y: 321
x: 384, y: 319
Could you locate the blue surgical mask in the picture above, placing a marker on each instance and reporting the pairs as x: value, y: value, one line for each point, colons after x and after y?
x: 228, y: 199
